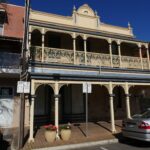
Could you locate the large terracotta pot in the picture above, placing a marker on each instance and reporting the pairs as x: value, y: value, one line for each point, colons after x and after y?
x: 50, y: 136
x: 65, y: 134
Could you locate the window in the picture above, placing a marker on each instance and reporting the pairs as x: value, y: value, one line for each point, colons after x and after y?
x: 3, y: 17
x: 1, y: 29
x: 6, y: 92
x: 86, y: 12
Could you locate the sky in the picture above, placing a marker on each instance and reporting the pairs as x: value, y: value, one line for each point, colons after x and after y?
x: 115, y: 12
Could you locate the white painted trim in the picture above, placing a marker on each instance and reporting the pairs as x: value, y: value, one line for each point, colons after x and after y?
x: 96, y: 83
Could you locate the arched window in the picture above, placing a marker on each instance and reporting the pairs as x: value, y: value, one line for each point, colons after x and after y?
x: 36, y: 38
x: 114, y: 48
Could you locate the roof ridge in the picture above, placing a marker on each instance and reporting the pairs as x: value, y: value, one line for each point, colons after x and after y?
x: 13, y: 5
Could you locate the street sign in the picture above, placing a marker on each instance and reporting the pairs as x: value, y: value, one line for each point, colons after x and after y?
x: 20, y: 87
x: 23, y: 87
x: 87, y: 88
x: 26, y: 87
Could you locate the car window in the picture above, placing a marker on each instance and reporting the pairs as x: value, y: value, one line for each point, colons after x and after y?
x: 146, y: 114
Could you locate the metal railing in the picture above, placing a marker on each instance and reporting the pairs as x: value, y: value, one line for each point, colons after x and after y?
x: 64, y: 56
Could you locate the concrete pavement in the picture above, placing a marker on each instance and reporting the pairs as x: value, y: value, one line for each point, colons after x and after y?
x: 80, y: 145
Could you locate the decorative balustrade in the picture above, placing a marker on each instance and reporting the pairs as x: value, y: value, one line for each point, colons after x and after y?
x: 145, y: 63
x: 36, y: 53
x: 105, y: 60
x: 131, y: 62
x: 63, y: 56
x: 93, y: 59
x: 115, y: 61
x: 97, y: 59
x: 80, y: 58
x: 55, y: 55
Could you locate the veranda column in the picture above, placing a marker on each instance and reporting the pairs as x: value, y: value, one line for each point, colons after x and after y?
x: 43, y: 41
x: 147, y: 52
x: 29, y: 43
x: 110, y: 52
x: 31, y: 132
x: 85, y: 49
x: 74, y: 47
x: 119, y: 52
x: 127, y: 100
x: 56, y: 90
x: 29, y: 46
x: 140, y: 53
x: 29, y: 38
x: 111, y: 103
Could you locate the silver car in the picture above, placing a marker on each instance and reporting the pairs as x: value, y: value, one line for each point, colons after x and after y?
x: 138, y: 127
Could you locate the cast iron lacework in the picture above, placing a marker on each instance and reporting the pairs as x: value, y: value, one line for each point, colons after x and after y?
x: 63, y: 56
x: 145, y: 63
x: 115, y: 61
x: 105, y: 60
x: 58, y: 55
x: 36, y: 53
x: 131, y: 62
x: 93, y: 59
x: 80, y: 58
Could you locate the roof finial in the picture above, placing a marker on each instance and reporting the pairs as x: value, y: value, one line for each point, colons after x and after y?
x: 95, y: 12
x: 129, y: 25
x: 74, y: 8
x: 130, y: 28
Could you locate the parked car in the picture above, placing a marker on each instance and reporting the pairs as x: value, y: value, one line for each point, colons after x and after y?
x: 138, y: 127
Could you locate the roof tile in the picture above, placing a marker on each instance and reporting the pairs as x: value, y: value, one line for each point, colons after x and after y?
x: 14, y: 24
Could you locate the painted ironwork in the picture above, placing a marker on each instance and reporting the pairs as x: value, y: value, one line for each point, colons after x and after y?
x: 64, y: 56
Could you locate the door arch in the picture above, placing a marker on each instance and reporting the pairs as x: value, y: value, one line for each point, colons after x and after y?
x: 119, y: 102
x: 99, y: 104
x: 44, y: 105
x: 72, y: 99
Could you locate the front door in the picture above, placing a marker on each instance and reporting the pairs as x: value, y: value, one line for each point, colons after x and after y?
x: 43, y: 105
x: 73, y: 103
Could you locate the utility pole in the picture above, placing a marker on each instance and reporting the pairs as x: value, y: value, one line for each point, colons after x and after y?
x: 23, y: 70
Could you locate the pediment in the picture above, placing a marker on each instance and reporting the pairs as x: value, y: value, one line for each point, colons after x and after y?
x: 86, y: 10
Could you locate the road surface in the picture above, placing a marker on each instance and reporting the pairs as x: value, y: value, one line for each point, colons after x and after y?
x: 126, y: 144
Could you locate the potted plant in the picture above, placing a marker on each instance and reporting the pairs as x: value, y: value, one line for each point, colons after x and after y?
x: 65, y: 132
x: 50, y: 133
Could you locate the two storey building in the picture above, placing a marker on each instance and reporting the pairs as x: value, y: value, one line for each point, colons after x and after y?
x: 67, y: 51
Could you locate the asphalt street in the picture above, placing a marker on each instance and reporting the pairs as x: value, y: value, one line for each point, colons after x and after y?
x: 126, y: 144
